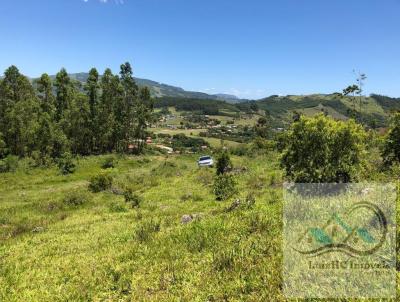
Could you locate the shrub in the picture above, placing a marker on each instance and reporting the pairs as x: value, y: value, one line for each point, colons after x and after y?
x: 40, y: 159
x: 66, y: 164
x: 391, y: 150
x: 75, y: 198
x: 9, y: 164
x: 109, y: 162
x: 100, y: 182
x: 132, y: 198
x: 224, y: 186
x: 224, y: 163
x: 320, y: 149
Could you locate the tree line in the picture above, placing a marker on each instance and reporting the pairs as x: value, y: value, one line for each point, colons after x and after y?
x: 48, y: 118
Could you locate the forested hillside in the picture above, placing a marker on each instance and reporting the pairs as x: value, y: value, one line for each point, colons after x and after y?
x: 373, y: 111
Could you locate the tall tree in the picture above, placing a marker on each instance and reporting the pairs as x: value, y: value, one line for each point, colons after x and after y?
x: 19, y: 112
x: 125, y: 113
x: 143, y: 111
x: 262, y: 127
x: 64, y: 91
x: 109, y: 102
x: 92, y: 91
x: 360, y: 78
x: 352, y: 90
x: 76, y: 124
x: 46, y: 96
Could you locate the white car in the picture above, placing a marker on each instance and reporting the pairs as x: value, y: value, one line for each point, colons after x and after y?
x: 205, y: 161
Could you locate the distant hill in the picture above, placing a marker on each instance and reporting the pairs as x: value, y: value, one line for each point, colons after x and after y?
x: 163, y: 90
x: 375, y: 109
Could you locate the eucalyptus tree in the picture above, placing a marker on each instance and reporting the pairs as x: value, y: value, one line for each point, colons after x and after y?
x: 47, y: 99
x: 92, y: 88
x: 19, y: 112
x: 64, y: 92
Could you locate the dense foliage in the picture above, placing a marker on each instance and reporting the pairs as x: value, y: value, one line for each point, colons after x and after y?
x: 209, y: 107
x: 180, y: 141
x: 224, y: 163
x: 321, y: 149
x: 224, y: 186
x: 391, y: 152
x: 53, y: 117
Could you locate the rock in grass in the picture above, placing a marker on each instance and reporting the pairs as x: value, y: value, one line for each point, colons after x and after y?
x: 185, y: 219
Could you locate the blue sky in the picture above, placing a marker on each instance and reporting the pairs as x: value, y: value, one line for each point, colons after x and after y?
x: 250, y: 48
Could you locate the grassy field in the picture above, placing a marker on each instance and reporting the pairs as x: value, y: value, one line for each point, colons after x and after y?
x: 188, y: 132
x: 214, y: 142
x: 53, y: 249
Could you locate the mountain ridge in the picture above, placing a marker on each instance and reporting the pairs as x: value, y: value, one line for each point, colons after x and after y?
x: 158, y: 89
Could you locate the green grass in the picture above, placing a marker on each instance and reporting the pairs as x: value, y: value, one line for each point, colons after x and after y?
x: 105, y: 250
x: 60, y: 242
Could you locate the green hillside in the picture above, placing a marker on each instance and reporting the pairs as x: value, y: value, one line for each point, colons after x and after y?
x: 374, y: 111
x: 163, y: 90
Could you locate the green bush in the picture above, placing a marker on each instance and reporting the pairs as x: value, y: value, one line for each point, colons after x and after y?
x: 224, y: 163
x: 132, y: 198
x: 40, y: 160
x: 109, y: 162
x: 320, y: 149
x: 9, y: 164
x: 66, y: 164
x: 100, y: 182
x: 75, y: 198
x: 224, y: 186
x: 391, y: 149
